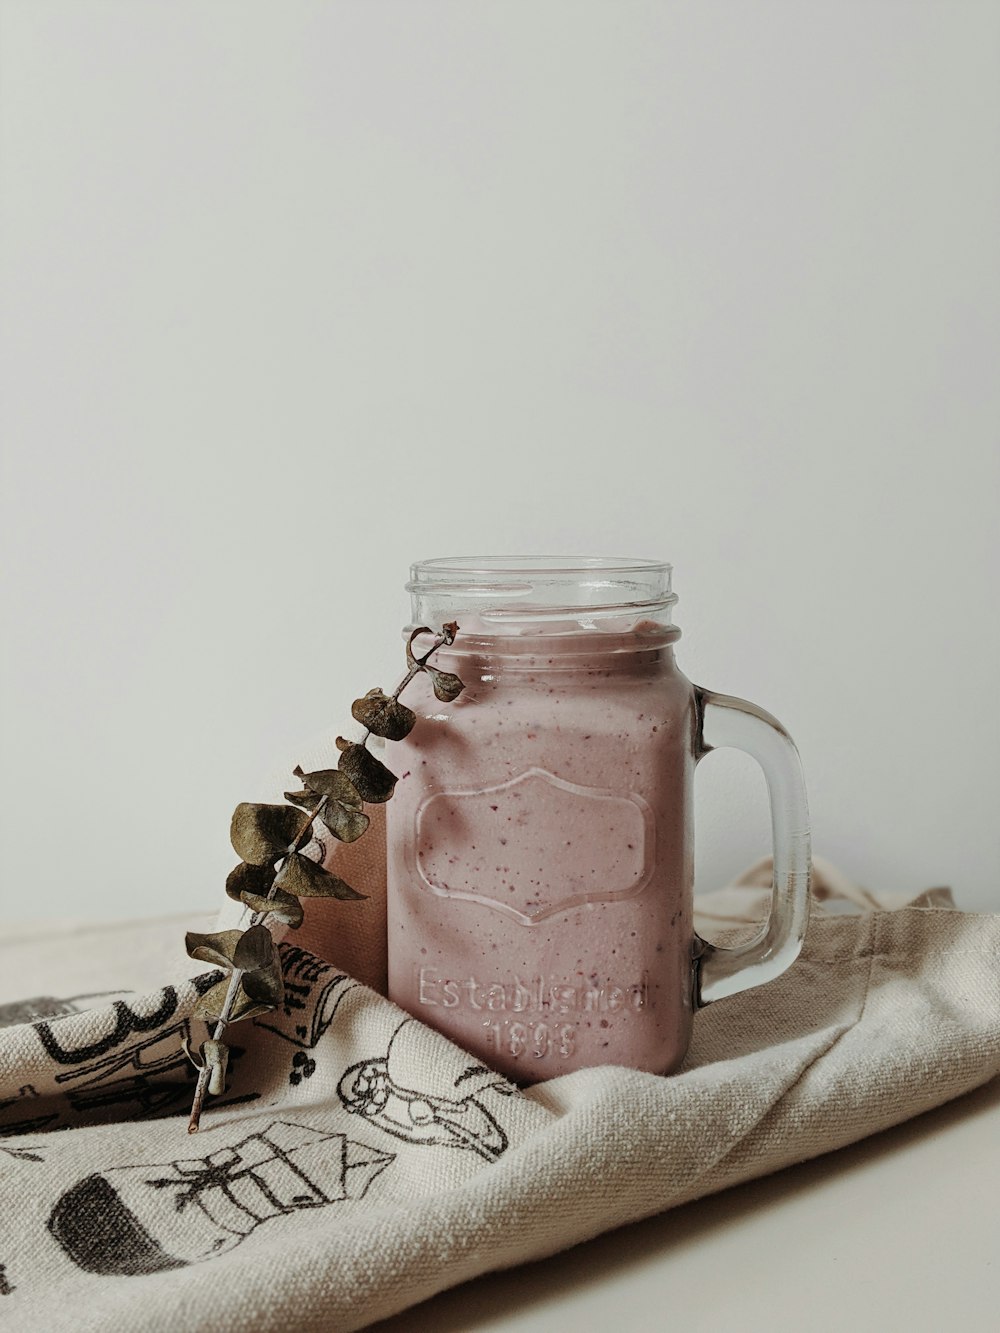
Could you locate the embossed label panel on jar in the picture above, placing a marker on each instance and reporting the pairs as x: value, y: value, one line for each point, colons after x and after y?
x: 534, y: 845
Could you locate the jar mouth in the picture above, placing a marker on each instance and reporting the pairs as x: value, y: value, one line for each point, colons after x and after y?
x: 546, y: 566
x: 573, y: 591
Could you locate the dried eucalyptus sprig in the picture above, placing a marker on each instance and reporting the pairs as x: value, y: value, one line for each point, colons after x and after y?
x: 275, y: 873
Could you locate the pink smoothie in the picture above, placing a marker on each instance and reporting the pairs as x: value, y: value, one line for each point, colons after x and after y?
x: 540, y: 852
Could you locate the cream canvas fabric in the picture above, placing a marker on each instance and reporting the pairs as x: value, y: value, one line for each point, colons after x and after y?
x: 358, y: 1162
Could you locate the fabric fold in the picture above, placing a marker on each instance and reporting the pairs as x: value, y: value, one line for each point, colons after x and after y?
x: 359, y: 1162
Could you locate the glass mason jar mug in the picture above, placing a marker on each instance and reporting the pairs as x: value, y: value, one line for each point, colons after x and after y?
x: 540, y: 841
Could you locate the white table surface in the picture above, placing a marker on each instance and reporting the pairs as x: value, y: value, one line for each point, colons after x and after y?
x: 900, y: 1232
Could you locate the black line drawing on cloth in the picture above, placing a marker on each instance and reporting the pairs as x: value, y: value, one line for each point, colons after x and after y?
x: 106, y: 1078
x: 313, y: 992
x: 147, y: 1079
x: 471, y: 1072
x: 29, y: 1153
x: 303, y: 1066
x: 368, y: 1089
x: 36, y: 1008
x: 494, y: 1081
x: 17, y: 1123
x: 6, y: 1287
x: 158, y: 1055
x: 126, y: 1221
x: 126, y: 1022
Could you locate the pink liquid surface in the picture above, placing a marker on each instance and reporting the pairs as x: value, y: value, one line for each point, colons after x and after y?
x: 539, y: 856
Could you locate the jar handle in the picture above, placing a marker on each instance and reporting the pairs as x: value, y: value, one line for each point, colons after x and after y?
x: 728, y: 722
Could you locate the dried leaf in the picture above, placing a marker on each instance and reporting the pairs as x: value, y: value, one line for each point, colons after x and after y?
x: 251, y: 952
x: 210, y: 1006
x: 373, y: 780
x: 308, y: 800
x: 254, y: 880
x: 266, y: 986
x: 308, y: 879
x: 218, y: 948
x: 261, y: 833
x: 344, y: 823
x: 216, y: 1057
x: 446, y: 685
x: 450, y: 632
x: 331, y: 782
x: 258, y: 959
x: 282, y: 906
x: 343, y: 745
x: 342, y: 811
x: 383, y: 715
x: 254, y: 950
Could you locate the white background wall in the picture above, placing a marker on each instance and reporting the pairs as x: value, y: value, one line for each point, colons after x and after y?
x: 295, y: 294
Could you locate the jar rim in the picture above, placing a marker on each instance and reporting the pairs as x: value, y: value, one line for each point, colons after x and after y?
x: 546, y: 566
x: 517, y: 594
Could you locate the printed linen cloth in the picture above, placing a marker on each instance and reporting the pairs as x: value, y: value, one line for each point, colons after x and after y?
x: 359, y: 1162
